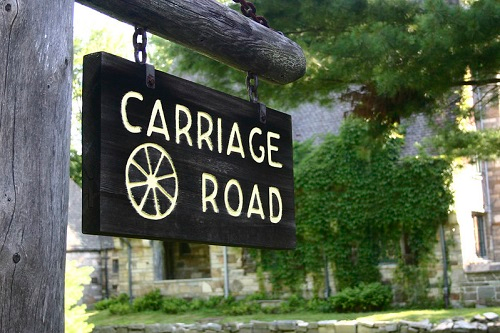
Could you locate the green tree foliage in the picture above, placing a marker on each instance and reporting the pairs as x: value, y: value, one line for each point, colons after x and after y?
x: 357, y: 201
x: 75, y: 166
x: 76, y: 315
x: 390, y: 58
x: 96, y: 41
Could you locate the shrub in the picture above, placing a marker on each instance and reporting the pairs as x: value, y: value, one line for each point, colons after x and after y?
x: 197, y: 304
x: 174, y: 305
x: 75, y: 315
x: 214, y: 301
x: 106, y: 303
x: 295, y: 302
x: 152, y: 301
x: 120, y: 308
x: 316, y: 304
x: 242, y: 308
x: 365, y: 297
x: 257, y: 296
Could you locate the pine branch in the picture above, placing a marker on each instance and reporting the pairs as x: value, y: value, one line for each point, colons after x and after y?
x: 478, y: 82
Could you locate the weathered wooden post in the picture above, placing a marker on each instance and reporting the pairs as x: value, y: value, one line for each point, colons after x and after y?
x: 35, y: 105
x: 214, y: 30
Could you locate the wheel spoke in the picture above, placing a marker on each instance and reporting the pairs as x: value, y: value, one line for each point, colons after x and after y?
x: 143, y: 201
x: 171, y: 175
x: 165, y: 193
x: 137, y: 184
x: 134, y: 163
x: 148, y: 159
x: 157, y: 206
x: 158, y: 165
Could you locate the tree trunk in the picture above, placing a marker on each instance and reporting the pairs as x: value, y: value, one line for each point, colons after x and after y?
x: 35, y: 105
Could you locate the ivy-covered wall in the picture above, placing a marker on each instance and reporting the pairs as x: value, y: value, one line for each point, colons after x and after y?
x: 359, y: 202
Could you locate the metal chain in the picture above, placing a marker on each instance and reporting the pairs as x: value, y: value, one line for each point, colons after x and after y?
x: 252, y: 86
x: 140, y: 40
x: 248, y: 9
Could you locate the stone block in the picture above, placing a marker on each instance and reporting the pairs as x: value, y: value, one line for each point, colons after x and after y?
x: 123, y: 329
x: 326, y: 322
x: 482, y: 328
x: 461, y: 326
x: 245, y: 328
x: 313, y: 327
x: 424, y: 325
x: 179, y: 328
x: 491, y: 316
x: 494, y: 327
x: 367, y: 328
x: 444, y: 327
x: 260, y: 326
x: 391, y: 327
x: 301, y: 329
x: 485, y: 293
x: 273, y: 326
x: 326, y: 326
x: 302, y: 326
x: 286, y: 325
x: 154, y: 328
x: 470, y: 296
x: 231, y: 327
x: 212, y: 327
x: 345, y: 326
x: 403, y: 328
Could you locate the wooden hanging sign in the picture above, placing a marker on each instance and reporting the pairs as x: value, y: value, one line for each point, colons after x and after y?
x: 182, y: 161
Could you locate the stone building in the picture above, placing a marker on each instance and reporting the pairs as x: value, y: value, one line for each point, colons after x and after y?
x: 197, y: 270
x: 179, y: 269
x: 87, y: 250
x: 477, y: 211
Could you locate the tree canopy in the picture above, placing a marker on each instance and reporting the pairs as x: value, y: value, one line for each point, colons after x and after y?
x: 97, y: 40
x: 390, y: 58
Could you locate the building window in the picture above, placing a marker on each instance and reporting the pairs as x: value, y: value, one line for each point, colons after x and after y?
x: 185, y: 261
x: 116, y: 266
x: 480, y: 234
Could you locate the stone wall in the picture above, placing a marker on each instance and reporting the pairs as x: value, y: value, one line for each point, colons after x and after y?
x: 145, y: 278
x: 480, y: 324
x: 482, y: 288
x: 93, y: 291
x: 491, y: 120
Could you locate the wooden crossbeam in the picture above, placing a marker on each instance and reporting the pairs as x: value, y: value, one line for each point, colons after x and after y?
x: 214, y: 30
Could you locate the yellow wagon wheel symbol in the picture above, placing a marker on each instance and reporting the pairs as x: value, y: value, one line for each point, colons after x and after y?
x: 151, y: 181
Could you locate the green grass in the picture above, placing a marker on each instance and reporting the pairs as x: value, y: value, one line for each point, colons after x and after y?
x: 103, y: 318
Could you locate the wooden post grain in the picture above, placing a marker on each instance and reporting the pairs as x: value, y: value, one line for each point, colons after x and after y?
x: 214, y: 30
x: 35, y: 105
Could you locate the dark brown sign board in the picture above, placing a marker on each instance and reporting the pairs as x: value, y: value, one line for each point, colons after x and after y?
x: 182, y: 161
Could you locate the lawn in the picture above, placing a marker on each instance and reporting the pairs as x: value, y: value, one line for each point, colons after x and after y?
x: 102, y: 318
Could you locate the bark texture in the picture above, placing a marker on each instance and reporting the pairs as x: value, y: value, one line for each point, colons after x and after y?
x: 216, y: 31
x: 35, y: 107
